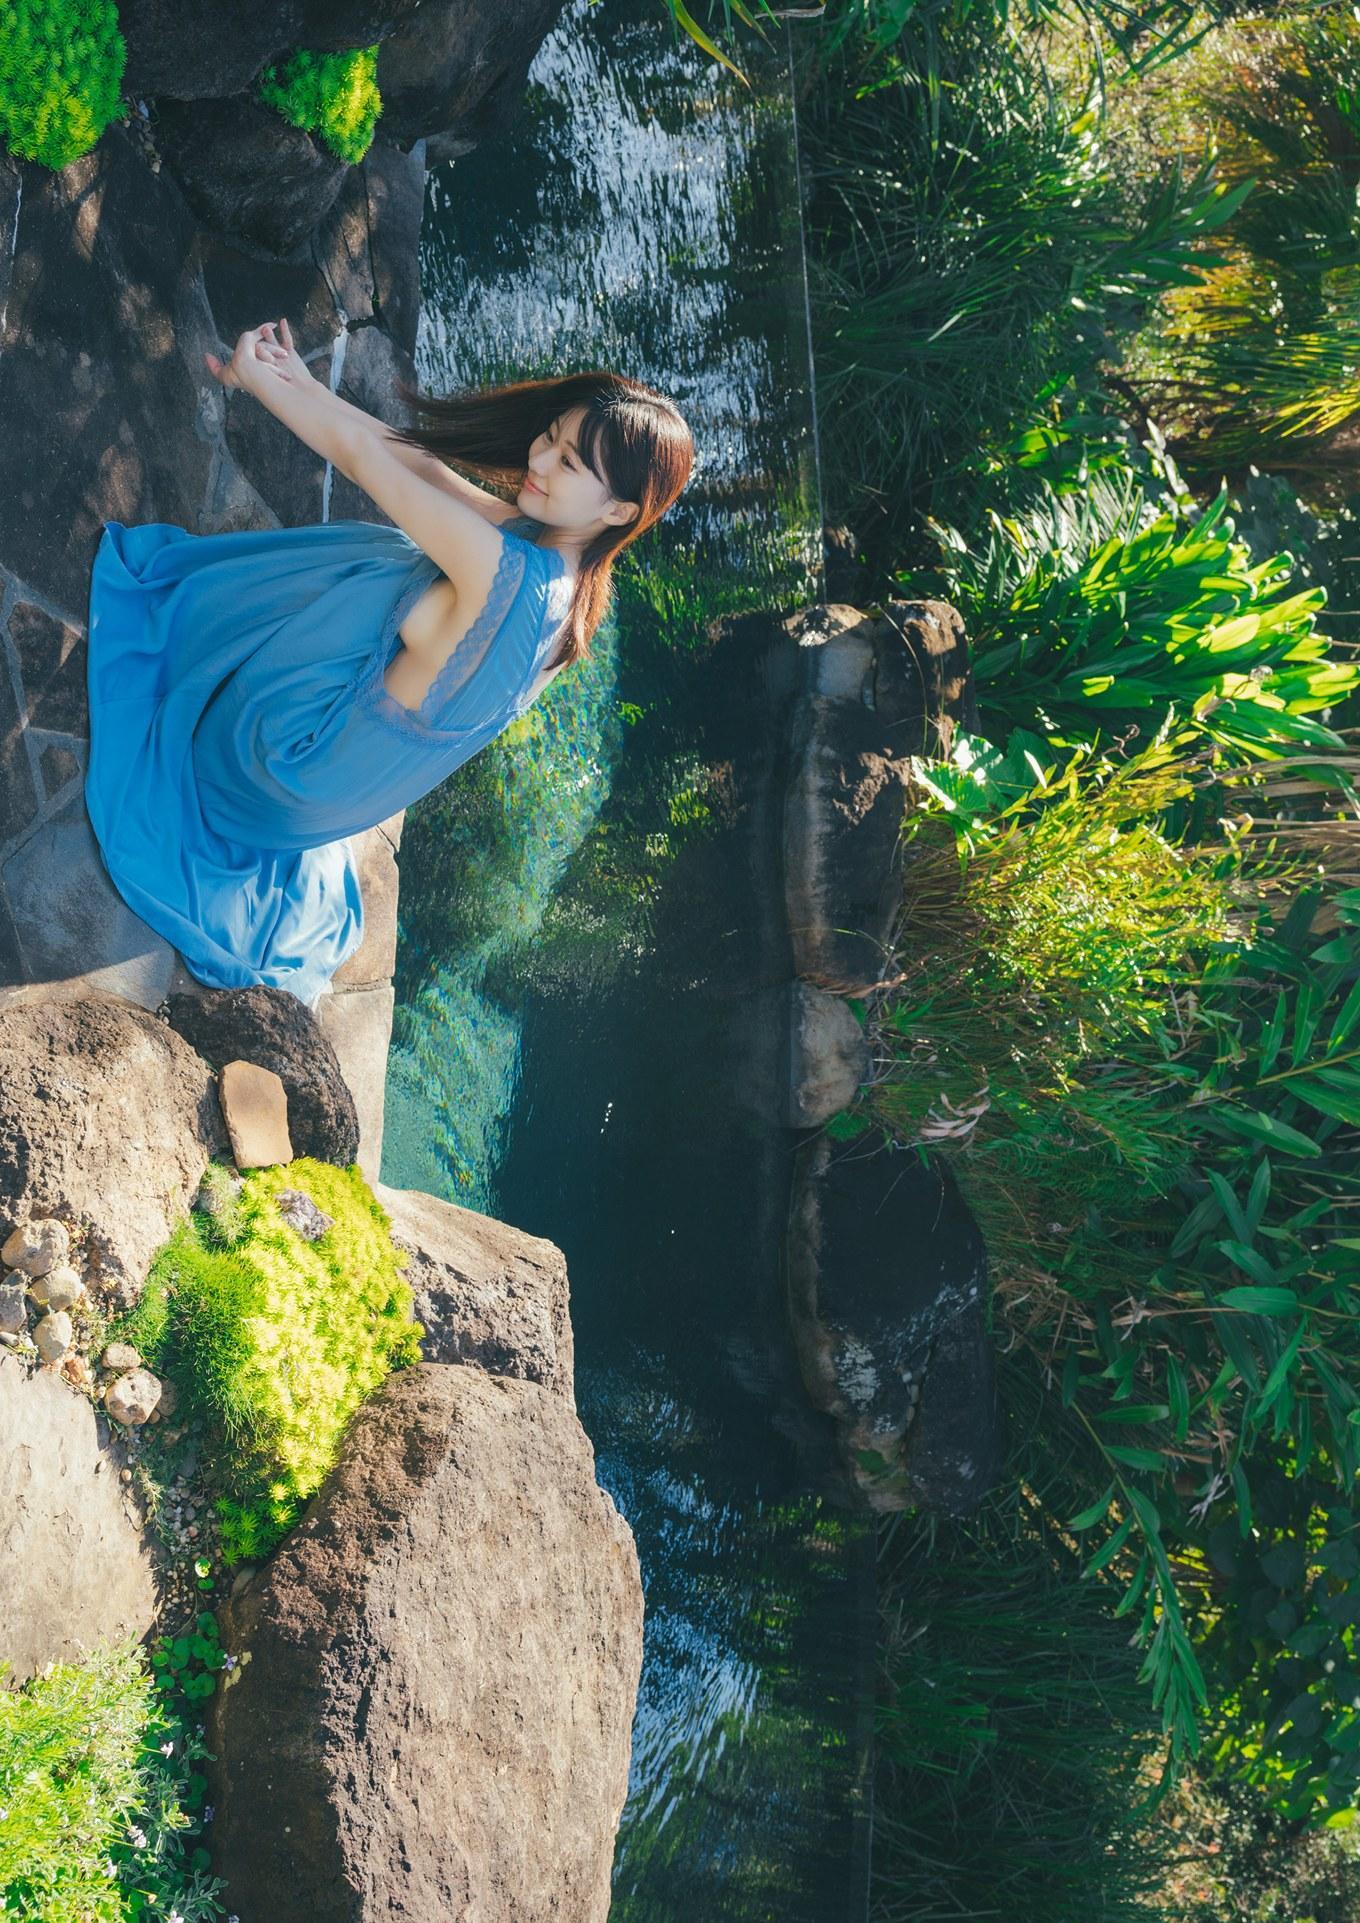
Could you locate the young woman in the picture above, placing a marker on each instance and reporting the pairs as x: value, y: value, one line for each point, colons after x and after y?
x: 258, y: 697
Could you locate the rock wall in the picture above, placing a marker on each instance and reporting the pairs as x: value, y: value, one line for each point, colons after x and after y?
x: 116, y: 274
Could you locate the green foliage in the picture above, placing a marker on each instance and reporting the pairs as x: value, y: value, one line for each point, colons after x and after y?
x: 276, y: 1340
x: 969, y: 244
x: 1098, y: 605
x: 1155, y: 1102
x: 1013, y: 1744
x: 61, y: 73
x: 188, y: 1665
x: 100, y: 1799
x: 1257, y: 361
x: 333, y: 95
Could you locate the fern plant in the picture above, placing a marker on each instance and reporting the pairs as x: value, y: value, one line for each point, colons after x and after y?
x: 333, y: 95
x: 61, y: 73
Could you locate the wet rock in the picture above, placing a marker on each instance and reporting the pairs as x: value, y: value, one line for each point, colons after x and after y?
x: 435, y: 1717
x: 131, y: 1399
x: 107, y: 1113
x: 872, y: 694
x: 457, y: 73
x: 276, y: 1031
x: 887, y: 1282
x: 829, y: 1056
x: 485, y: 1292
x: 54, y: 1335
x: 255, y: 1109
x: 74, y: 1569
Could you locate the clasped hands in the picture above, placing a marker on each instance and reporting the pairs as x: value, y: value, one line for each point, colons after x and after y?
x: 262, y: 354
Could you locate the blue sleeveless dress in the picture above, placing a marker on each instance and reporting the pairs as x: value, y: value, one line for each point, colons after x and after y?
x: 240, y: 731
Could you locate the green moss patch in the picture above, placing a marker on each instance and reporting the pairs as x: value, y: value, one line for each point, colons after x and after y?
x: 275, y: 1340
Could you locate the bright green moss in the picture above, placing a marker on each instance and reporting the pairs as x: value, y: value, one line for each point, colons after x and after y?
x: 61, y: 72
x: 276, y: 1340
x: 333, y: 95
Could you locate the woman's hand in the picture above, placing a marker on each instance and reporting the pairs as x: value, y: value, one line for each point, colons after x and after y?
x: 260, y: 355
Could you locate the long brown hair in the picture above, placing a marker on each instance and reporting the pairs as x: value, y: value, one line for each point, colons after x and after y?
x: 632, y: 438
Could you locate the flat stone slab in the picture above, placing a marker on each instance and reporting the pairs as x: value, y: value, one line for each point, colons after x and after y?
x: 74, y: 1567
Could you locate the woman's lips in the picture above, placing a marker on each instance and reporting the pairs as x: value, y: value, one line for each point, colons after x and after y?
x: 531, y: 487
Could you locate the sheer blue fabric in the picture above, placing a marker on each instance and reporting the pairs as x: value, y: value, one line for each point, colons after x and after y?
x: 240, y: 730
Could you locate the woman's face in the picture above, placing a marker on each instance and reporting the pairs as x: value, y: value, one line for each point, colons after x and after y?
x: 560, y: 489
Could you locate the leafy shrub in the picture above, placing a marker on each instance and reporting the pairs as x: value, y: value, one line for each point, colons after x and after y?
x: 1101, y: 607
x: 61, y: 73
x: 275, y: 1339
x: 1256, y: 361
x: 969, y: 246
x: 1167, y: 1196
x: 333, y: 95
x: 99, y: 1798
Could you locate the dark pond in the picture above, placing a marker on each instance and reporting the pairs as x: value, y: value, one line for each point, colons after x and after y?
x: 567, y: 1044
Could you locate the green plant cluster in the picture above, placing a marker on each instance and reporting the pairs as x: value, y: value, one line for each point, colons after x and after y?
x: 1108, y: 604
x: 61, y: 75
x: 101, y: 1801
x: 333, y: 95
x: 275, y: 1340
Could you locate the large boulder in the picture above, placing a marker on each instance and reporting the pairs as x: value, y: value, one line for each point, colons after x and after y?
x: 74, y: 1567
x: 486, y: 1292
x: 436, y: 1673
x: 874, y: 692
x: 107, y: 1121
x: 275, y: 1030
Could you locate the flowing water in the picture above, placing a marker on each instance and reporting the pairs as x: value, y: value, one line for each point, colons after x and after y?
x: 563, y: 1051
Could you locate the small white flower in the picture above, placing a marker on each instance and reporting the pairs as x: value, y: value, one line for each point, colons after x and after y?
x: 1330, y: 1664
x: 167, y: 1749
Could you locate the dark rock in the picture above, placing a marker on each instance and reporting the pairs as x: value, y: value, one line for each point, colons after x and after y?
x: 435, y: 1717
x: 458, y: 72
x: 486, y: 1292
x: 101, y: 413
x: 199, y: 49
x: 52, y: 660
x: 874, y: 693
x: 884, y: 1260
x: 272, y: 1029
x: 955, y: 1448
x: 248, y: 173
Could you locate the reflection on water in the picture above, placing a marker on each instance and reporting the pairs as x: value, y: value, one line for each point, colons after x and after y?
x: 560, y: 1057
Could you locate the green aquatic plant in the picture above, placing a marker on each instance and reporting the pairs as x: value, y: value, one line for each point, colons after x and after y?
x: 61, y: 74
x: 275, y: 1340
x: 101, y: 1800
x: 333, y: 95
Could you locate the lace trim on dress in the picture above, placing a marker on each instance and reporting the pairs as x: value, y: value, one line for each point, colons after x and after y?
x: 469, y: 651
x: 370, y: 692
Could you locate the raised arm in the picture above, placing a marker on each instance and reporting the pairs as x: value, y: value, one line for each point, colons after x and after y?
x: 291, y: 366
x: 458, y: 538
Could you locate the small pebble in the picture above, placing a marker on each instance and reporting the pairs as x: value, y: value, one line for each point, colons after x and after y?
x: 37, y: 1246
x: 54, y: 1335
x: 59, y: 1288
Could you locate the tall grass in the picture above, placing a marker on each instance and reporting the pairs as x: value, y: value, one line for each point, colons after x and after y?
x: 969, y: 249
x: 1141, y: 1042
